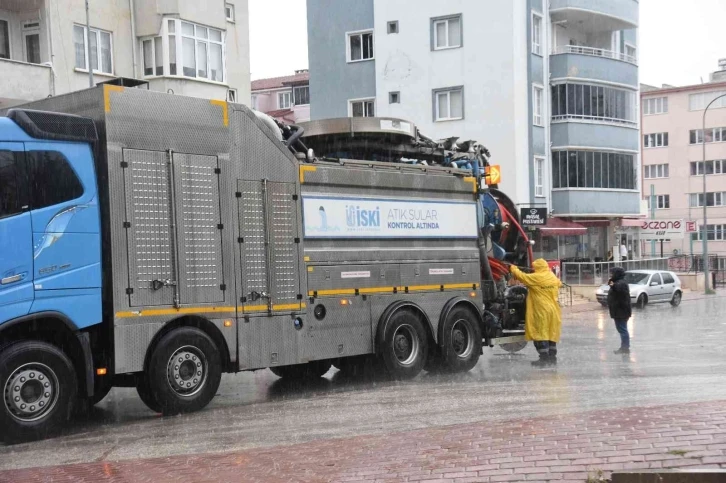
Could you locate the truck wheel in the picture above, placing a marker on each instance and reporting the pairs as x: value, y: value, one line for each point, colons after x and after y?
x: 184, y: 371
x: 144, y: 391
x: 403, y: 345
x: 39, y: 387
x: 311, y: 370
x: 461, y: 342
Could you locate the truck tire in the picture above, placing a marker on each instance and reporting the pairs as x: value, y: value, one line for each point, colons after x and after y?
x: 461, y: 341
x: 39, y: 388
x: 144, y: 391
x: 184, y: 371
x: 311, y: 370
x: 403, y: 345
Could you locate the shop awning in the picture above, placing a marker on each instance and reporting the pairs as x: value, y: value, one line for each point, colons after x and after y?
x: 560, y: 227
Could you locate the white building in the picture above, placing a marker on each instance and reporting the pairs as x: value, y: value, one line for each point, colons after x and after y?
x: 186, y: 47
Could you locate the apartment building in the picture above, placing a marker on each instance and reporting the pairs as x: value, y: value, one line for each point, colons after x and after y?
x: 183, y: 47
x: 286, y: 98
x: 549, y: 86
x: 673, y: 137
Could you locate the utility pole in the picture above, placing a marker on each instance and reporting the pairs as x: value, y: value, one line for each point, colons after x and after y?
x: 88, y: 48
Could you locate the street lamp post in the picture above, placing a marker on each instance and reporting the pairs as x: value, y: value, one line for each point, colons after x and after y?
x: 705, y: 197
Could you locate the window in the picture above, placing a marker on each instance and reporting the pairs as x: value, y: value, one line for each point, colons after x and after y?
x: 446, y: 32
x: 100, y: 52
x: 539, y: 164
x: 695, y: 200
x: 663, y: 202
x: 449, y: 104
x: 631, y: 53
x: 699, y: 102
x: 4, y: 40
x: 713, y: 135
x: 593, y: 169
x: 360, y: 46
x: 31, y: 42
x: 232, y: 96
x: 229, y: 12
x: 658, y: 140
x: 201, y: 49
x: 283, y: 100
x: 656, y: 279
x: 301, y: 95
x: 11, y: 184
x: 717, y: 166
x: 53, y: 180
x: 362, y: 108
x: 713, y: 233
x: 153, y: 57
x: 654, y: 171
x: 536, y: 34
x: 394, y: 97
x: 537, y: 94
x: 393, y: 27
x: 667, y: 278
x: 591, y: 102
x: 655, y: 105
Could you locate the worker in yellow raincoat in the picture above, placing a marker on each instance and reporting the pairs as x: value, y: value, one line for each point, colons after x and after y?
x: 543, y: 321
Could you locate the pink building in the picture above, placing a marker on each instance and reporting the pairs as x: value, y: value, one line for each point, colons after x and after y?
x: 672, y: 158
x: 287, y: 98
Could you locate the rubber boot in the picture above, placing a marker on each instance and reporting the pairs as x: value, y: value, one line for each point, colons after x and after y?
x: 544, y: 361
x: 622, y: 350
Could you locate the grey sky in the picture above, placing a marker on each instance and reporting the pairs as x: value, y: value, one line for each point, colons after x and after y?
x: 680, y: 42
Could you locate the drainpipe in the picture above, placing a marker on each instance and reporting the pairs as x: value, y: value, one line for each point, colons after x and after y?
x: 88, y: 47
x: 50, y: 46
x: 133, y: 37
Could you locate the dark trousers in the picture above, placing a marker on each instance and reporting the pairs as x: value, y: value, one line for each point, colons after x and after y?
x: 622, y: 326
x: 546, y: 348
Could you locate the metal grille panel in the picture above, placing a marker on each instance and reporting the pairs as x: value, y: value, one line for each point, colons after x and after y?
x: 282, y: 216
x: 200, y: 241
x: 149, y: 236
x: 252, y: 232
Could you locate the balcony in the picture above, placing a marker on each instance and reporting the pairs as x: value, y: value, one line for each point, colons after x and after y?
x: 594, y: 63
x: 595, y: 202
x: 594, y: 135
x: 23, y: 82
x: 597, y: 15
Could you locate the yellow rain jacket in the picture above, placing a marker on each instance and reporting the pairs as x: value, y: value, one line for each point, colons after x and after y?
x: 543, y: 320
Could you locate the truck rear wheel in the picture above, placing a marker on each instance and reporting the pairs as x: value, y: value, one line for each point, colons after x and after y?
x: 39, y: 387
x: 184, y: 371
x: 403, y: 345
x: 461, y: 342
x: 310, y: 370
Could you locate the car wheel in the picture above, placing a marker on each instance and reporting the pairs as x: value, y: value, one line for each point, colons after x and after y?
x: 642, y: 301
x: 39, y: 388
x: 676, y: 300
x: 403, y: 345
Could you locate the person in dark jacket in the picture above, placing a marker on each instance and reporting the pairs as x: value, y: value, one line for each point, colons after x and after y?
x: 619, y: 305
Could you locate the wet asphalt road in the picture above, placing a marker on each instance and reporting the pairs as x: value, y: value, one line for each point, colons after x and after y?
x: 678, y: 356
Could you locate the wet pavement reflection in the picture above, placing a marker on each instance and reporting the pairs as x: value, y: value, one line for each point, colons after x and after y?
x: 677, y: 356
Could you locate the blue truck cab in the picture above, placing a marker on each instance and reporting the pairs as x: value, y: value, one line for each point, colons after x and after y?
x: 50, y: 268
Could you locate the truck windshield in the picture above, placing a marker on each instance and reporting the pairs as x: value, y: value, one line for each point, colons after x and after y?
x: 636, y: 278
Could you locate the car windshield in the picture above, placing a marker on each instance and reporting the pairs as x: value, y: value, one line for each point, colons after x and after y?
x: 633, y: 278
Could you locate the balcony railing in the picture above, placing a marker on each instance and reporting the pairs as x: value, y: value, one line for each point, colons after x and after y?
x: 595, y: 52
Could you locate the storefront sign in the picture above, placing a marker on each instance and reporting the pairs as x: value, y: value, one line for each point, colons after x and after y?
x: 691, y: 227
x: 329, y: 217
x: 662, y: 230
x: 533, y: 216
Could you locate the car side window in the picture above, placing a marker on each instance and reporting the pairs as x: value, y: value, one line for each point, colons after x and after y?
x: 667, y: 278
x: 12, y: 187
x: 53, y: 180
x: 656, y: 278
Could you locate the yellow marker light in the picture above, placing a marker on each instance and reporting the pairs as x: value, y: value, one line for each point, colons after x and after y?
x: 344, y: 302
x: 472, y: 294
x: 101, y: 371
x: 228, y: 323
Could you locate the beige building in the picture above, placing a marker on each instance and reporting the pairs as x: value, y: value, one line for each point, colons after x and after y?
x: 672, y: 154
x: 187, y: 47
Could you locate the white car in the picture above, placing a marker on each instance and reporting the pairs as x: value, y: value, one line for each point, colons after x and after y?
x: 648, y: 287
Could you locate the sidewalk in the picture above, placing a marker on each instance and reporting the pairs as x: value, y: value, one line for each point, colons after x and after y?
x: 569, y: 447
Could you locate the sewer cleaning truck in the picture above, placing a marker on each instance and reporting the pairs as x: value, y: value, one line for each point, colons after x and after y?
x: 157, y: 241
